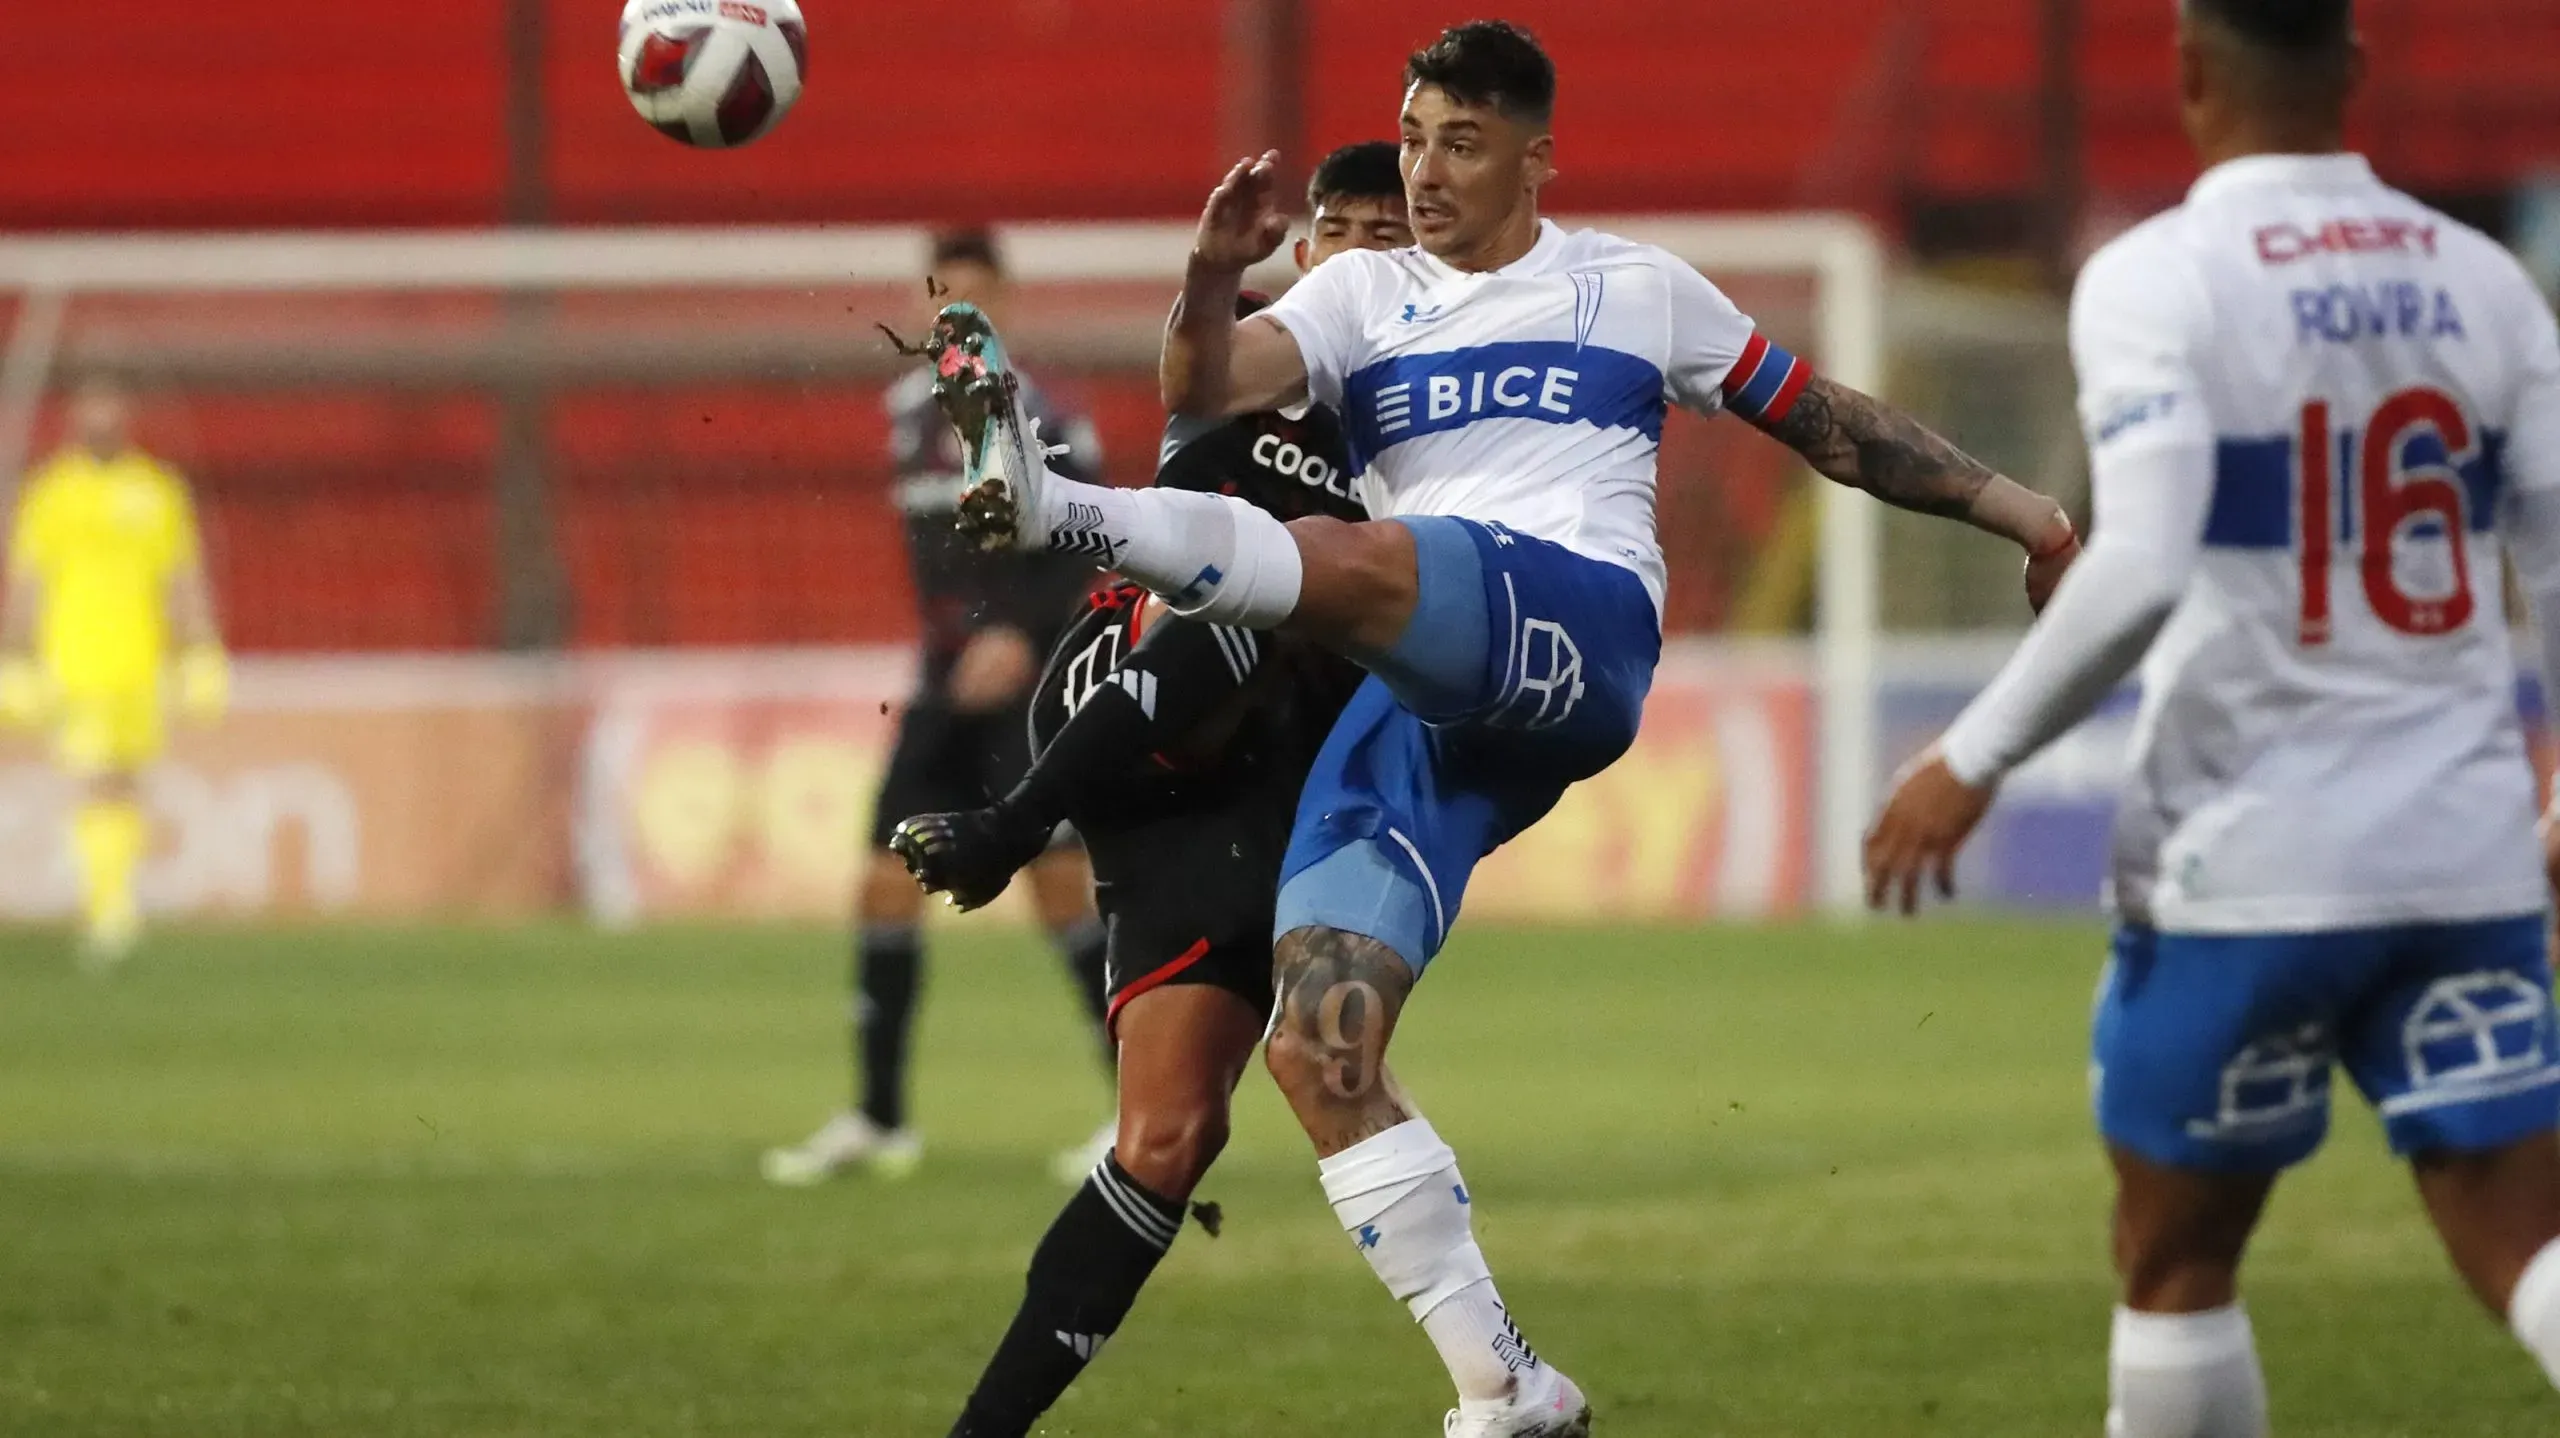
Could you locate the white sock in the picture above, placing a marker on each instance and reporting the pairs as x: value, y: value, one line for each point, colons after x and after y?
x: 1400, y: 1198
x: 2533, y: 1310
x: 1212, y: 556
x: 2185, y: 1375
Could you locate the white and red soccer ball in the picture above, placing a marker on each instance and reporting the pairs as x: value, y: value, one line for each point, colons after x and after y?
x: 713, y: 73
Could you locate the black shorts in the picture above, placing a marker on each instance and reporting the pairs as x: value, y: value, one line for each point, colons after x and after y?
x: 1187, y: 898
x: 946, y: 761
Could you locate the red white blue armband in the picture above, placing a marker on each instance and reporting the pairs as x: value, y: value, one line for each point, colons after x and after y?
x: 1763, y: 385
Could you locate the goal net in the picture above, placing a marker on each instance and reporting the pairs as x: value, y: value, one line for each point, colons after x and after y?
x: 599, y: 441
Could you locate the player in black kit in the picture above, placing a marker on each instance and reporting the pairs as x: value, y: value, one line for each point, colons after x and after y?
x: 1177, y: 749
x: 986, y: 620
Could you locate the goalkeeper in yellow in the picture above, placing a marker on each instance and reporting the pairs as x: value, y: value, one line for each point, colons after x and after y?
x: 105, y: 584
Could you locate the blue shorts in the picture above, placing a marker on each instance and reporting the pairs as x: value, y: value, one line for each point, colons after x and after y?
x: 1534, y: 662
x: 2213, y: 1051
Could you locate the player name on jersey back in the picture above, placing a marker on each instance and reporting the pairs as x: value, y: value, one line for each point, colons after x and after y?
x: 2328, y: 736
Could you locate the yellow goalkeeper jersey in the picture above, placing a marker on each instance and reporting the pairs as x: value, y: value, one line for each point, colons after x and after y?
x: 102, y: 538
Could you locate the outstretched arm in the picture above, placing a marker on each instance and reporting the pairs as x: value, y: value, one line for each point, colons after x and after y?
x: 1857, y: 440
x: 2151, y: 516
x: 1212, y: 365
x: 2151, y: 482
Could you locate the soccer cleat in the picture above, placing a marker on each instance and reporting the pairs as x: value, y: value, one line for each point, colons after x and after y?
x: 1072, y: 1164
x: 1546, y: 1405
x: 968, y: 857
x: 846, y: 1141
x: 977, y: 390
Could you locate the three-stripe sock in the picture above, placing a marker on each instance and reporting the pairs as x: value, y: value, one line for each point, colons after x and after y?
x: 1084, y: 1277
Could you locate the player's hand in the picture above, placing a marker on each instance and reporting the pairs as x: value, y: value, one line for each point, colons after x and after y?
x: 2548, y: 830
x: 969, y: 857
x: 1242, y: 225
x: 2048, y: 562
x: 1927, y: 820
x: 204, y: 683
x: 26, y: 694
x: 992, y: 671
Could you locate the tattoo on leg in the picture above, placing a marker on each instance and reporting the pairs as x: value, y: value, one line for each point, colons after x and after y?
x: 1339, y: 997
x: 1347, y: 1022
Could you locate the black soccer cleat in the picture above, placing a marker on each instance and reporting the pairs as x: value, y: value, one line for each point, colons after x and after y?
x: 968, y: 857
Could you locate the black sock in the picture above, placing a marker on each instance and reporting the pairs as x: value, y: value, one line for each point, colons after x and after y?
x: 1086, y: 946
x: 1084, y: 1276
x: 887, y: 972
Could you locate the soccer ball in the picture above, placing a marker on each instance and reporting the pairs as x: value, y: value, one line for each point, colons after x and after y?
x: 713, y: 73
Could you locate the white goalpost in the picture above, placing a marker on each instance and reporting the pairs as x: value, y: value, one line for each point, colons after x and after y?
x: 412, y: 308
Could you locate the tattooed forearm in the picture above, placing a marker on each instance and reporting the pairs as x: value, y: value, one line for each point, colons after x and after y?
x: 1866, y: 444
x: 1869, y: 445
x: 1339, y: 994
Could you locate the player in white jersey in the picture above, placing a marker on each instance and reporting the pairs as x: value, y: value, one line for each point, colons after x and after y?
x: 2317, y: 413
x: 1505, y: 385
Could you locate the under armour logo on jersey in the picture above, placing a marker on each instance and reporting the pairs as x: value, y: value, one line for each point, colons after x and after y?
x: 1085, y: 1345
x: 1197, y: 591
x: 1369, y: 1236
x: 1460, y: 1190
x: 1419, y: 314
x: 1081, y: 533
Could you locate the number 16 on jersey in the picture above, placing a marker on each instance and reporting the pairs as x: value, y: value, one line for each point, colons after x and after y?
x: 2403, y: 476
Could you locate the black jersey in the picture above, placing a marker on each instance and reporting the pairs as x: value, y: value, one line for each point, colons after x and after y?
x: 1290, y: 466
x: 961, y: 588
x: 1287, y: 693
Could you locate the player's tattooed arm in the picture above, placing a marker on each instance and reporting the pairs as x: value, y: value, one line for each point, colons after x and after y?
x: 1339, y: 996
x: 1857, y: 440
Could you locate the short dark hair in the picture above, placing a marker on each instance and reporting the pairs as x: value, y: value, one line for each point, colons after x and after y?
x: 1365, y: 171
x: 2292, y: 27
x: 967, y: 247
x: 1489, y: 62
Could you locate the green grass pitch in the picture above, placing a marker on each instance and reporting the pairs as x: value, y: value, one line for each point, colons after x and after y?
x: 1739, y: 1181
